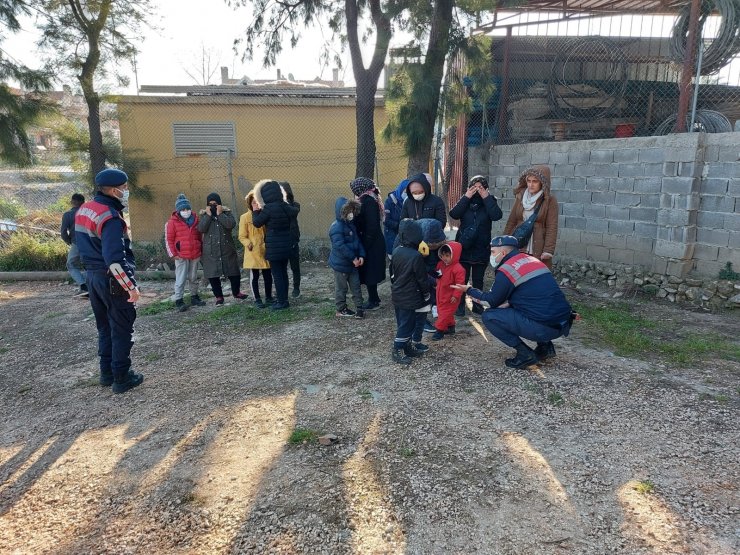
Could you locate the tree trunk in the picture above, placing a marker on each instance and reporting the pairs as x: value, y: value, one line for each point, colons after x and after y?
x: 367, y: 82
x: 431, y: 81
x: 95, y: 149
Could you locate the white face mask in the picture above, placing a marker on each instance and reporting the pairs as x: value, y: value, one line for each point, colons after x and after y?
x: 185, y: 214
x: 350, y: 217
x: 494, y: 260
x: 420, y: 196
x: 124, y: 196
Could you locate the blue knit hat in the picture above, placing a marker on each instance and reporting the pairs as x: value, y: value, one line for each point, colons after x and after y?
x: 182, y: 203
x: 111, y: 177
x: 505, y: 241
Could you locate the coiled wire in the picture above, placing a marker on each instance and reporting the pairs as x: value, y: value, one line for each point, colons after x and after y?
x: 723, y: 48
x: 708, y: 121
x: 608, y: 63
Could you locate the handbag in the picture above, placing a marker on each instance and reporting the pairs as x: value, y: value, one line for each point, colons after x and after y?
x: 524, y: 230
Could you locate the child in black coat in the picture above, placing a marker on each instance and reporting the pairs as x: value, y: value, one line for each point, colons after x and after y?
x: 409, y: 290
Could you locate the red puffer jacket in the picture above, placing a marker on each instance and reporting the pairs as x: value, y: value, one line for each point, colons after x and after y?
x: 183, y: 240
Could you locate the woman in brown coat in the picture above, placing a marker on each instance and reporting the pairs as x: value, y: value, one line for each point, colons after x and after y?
x: 534, y: 190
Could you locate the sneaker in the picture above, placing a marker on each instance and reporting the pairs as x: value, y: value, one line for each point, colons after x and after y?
x: 269, y: 300
x: 359, y: 313
x: 258, y: 303
x: 195, y: 300
x: 240, y: 296
x: 345, y: 312
x: 411, y: 350
x: 180, y: 305
x: 429, y: 328
x: 219, y: 301
x: 450, y: 331
x: 296, y: 293
x: 370, y: 306
x: 438, y: 335
x: 399, y: 356
x: 131, y: 382
x: 280, y: 305
x: 421, y: 347
x: 82, y: 293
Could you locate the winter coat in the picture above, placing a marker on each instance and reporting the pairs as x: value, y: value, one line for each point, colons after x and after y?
x: 393, y: 205
x: 409, y: 280
x: 276, y: 215
x: 253, y: 239
x: 476, y: 215
x: 183, y: 240
x: 545, y: 232
x: 370, y: 231
x: 454, y: 274
x: 530, y: 289
x: 345, y: 242
x: 67, y: 230
x: 219, y: 251
x: 295, y: 231
x: 431, y: 206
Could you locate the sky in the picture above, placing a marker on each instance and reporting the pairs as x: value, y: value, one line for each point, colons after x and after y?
x: 184, y: 28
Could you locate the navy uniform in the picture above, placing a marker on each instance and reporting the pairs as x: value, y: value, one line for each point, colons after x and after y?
x: 537, y: 309
x: 104, y: 244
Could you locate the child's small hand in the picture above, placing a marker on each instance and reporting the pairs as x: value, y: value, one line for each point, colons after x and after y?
x: 362, y: 261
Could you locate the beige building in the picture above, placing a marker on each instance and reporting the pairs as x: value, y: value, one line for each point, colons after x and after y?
x: 225, y: 139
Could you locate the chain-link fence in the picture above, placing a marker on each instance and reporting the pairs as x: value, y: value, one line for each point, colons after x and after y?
x: 609, y: 76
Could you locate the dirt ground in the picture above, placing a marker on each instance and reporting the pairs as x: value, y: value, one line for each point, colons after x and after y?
x: 589, y: 453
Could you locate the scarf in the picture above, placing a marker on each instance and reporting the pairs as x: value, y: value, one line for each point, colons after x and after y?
x: 364, y: 187
x: 528, y: 200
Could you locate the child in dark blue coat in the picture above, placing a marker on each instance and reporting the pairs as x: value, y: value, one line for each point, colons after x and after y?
x: 346, y: 256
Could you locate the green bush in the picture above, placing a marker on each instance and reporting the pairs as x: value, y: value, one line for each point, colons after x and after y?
x: 11, y: 209
x: 27, y: 253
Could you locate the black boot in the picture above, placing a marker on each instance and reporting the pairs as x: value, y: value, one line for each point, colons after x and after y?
x: 106, y: 378
x: 399, y: 356
x: 545, y: 350
x: 524, y: 357
x: 195, y: 300
x: 130, y: 381
x: 180, y: 305
x: 411, y: 351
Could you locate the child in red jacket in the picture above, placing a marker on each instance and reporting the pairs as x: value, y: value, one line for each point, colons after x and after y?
x: 184, y: 244
x: 449, y: 272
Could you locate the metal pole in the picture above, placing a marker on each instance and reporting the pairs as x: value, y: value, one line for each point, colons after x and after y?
x: 687, y: 70
x: 696, y: 83
x: 231, y: 184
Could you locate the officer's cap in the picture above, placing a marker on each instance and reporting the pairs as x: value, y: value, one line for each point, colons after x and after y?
x: 505, y: 241
x: 111, y: 177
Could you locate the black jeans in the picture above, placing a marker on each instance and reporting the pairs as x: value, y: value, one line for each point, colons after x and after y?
x: 372, y: 294
x: 216, y: 285
x: 279, y: 270
x: 255, y: 282
x: 295, y: 265
x: 407, y: 320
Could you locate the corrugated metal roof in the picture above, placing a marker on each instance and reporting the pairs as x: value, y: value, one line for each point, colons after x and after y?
x: 669, y: 7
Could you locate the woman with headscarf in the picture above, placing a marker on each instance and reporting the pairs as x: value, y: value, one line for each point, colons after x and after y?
x: 421, y: 202
x: 370, y: 229
x: 533, y: 193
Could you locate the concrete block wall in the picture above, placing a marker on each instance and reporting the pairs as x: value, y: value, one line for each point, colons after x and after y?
x: 668, y: 204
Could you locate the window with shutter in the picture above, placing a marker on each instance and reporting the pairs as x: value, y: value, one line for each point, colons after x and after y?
x: 192, y: 138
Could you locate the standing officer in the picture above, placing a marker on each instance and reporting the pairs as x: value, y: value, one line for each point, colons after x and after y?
x: 67, y: 232
x: 104, y: 244
x: 526, y: 302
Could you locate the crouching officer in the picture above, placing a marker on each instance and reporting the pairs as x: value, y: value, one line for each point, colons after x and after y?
x: 526, y: 302
x: 104, y: 244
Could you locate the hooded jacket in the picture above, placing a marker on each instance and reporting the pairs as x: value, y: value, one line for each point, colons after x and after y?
x: 276, y: 214
x: 253, y: 239
x: 183, y: 240
x: 295, y: 231
x: 476, y: 213
x: 431, y: 206
x: 409, y: 281
x: 545, y: 232
x: 345, y: 243
x: 393, y: 205
x: 219, y: 251
x: 452, y: 274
